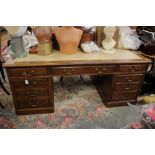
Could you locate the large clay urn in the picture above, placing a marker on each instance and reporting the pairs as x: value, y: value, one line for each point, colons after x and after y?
x: 44, y: 36
x: 68, y: 39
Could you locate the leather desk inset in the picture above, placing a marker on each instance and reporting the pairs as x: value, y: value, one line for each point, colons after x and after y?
x: 118, y: 77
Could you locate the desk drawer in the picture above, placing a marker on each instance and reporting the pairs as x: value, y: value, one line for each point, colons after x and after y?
x: 32, y: 82
x: 83, y: 70
x: 126, y: 86
x: 32, y: 103
x: 31, y: 92
x: 124, y: 96
x: 129, y: 78
x: 31, y: 71
x: 132, y: 68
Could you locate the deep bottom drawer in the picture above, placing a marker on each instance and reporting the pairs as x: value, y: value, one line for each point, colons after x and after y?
x: 124, y: 96
x: 34, y: 111
x: 33, y: 103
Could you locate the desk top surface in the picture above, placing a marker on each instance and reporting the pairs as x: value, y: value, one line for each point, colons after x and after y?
x: 57, y: 58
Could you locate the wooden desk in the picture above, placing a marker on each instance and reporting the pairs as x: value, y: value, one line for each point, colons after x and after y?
x: 118, y: 77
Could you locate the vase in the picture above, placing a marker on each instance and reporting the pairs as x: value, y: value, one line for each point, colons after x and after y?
x: 68, y: 39
x: 17, y: 47
x: 44, y: 37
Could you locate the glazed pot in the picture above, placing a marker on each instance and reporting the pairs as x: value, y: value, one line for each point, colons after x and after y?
x: 68, y: 39
x: 44, y: 37
x: 87, y: 37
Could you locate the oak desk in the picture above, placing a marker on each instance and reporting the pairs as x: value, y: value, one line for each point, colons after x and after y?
x: 118, y: 77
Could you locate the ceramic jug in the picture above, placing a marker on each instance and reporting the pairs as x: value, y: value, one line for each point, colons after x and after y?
x: 88, y: 34
x: 44, y: 36
x: 17, y: 47
x: 68, y: 39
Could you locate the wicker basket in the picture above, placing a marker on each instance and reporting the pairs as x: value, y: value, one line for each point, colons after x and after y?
x: 45, y: 48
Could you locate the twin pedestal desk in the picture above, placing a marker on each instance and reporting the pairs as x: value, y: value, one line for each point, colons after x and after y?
x: 118, y: 77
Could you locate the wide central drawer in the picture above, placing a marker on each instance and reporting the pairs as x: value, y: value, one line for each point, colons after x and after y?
x: 83, y: 70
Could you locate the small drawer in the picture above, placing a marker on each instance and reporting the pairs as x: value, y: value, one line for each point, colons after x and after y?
x: 129, y: 78
x: 32, y: 82
x: 126, y: 86
x: 83, y: 70
x: 64, y: 70
x: 105, y: 69
x: 31, y: 92
x: 124, y: 96
x: 132, y: 68
x: 30, y: 71
x: 32, y: 103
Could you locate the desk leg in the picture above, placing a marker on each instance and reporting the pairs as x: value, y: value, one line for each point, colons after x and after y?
x: 2, y: 106
x: 103, y: 85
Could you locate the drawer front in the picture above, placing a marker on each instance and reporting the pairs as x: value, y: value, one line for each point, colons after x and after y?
x: 32, y: 82
x: 32, y: 103
x: 132, y: 68
x: 83, y: 70
x: 31, y: 92
x: 31, y: 71
x: 126, y: 86
x: 124, y: 96
x: 129, y: 78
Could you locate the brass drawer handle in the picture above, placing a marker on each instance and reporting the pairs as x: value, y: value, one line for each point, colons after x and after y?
x: 33, y: 93
x: 72, y: 70
x: 99, y: 72
x: 127, y: 88
x: 68, y: 73
x: 124, y: 97
x: 32, y: 71
x: 24, y: 73
x: 34, y: 82
x: 33, y: 105
x: 132, y: 68
x: 30, y: 86
x: 103, y: 69
x: 128, y: 80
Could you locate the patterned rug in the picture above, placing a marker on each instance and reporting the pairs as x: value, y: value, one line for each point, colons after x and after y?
x: 77, y: 106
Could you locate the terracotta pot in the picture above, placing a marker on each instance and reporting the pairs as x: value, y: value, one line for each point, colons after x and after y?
x: 44, y: 37
x: 68, y: 39
x: 43, y: 33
